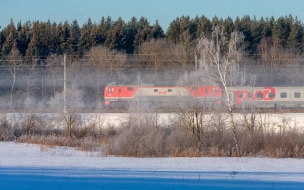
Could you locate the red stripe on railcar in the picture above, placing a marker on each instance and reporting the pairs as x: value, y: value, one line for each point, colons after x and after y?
x: 206, y: 91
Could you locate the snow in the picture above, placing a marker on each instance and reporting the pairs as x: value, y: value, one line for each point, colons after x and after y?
x: 116, y: 119
x: 29, y: 166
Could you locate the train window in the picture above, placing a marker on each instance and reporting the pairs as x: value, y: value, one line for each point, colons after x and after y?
x: 110, y: 89
x: 271, y: 95
x: 259, y: 95
x: 249, y: 95
x: 241, y: 95
x: 283, y: 94
x: 169, y: 90
x: 214, y: 89
x: 194, y: 88
x: 119, y: 90
x: 155, y: 90
x: 297, y: 95
x: 130, y: 89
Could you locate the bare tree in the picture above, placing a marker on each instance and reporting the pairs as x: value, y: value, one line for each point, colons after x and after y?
x: 74, y: 104
x: 212, y: 55
x: 30, y: 72
x: 106, y: 60
x: 152, y: 53
x: 183, y: 52
x: 270, y: 51
x: 54, y: 76
x: 14, y: 59
x: 193, y: 116
x: 279, y: 62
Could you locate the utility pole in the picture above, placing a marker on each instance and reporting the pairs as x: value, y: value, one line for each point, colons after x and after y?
x: 68, y: 118
x: 196, y: 44
x: 64, y: 83
x: 138, y: 115
x: 195, y: 65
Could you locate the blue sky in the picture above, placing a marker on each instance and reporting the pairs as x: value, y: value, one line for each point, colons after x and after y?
x: 164, y: 11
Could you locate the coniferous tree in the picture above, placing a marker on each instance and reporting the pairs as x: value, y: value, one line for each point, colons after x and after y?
x: 216, y: 21
x: 281, y: 30
x: 228, y: 25
x: 267, y: 29
x: 296, y: 34
x: 131, y: 32
x: 157, y: 31
x: 204, y: 27
x: 173, y: 31
x: 73, y: 39
x: 64, y: 38
x: 256, y: 31
x: 54, y: 45
x: 116, y: 36
x: 23, y: 37
x: 10, y: 34
x: 245, y: 28
x: 44, y: 38
x: 1, y: 42
x: 59, y: 37
x: 105, y: 27
x: 102, y: 30
x: 32, y: 50
x: 86, y: 40
x: 143, y: 33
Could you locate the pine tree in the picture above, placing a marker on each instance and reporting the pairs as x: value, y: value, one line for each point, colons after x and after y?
x: 143, y: 34
x: 87, y: 38
x: 256, y: 31
x: 32, y: 50
x: 23, y: 37
x: 157, y: 31
x: 245, y: 28
x: 1, y: 41
x: 54, y: 47
x: 281, y: 30
x: 116, y: 36
x: 228, y: 25
x: 296, y: 35
x: 10, y: 35
x: 204, y: 26
x: 44, y: 38
x: 173, y: 31
x: 73, y: 39
x: 131, y: 32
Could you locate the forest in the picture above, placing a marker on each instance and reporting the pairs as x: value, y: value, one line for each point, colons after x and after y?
x: 41, y: 39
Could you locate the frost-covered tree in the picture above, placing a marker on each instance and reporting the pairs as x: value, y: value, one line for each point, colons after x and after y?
x: 219, y: 53
x: 74, y: 104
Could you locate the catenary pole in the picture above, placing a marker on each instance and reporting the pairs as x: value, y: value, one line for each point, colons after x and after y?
x: 64, y: 83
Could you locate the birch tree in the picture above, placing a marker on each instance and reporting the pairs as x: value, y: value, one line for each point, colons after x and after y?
x: 218, y: 54
x: 14, y: 59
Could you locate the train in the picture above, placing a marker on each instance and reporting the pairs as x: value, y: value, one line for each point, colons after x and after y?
x: 264, y: 97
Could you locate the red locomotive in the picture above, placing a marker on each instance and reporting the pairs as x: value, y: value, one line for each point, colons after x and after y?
x: 116, y: 94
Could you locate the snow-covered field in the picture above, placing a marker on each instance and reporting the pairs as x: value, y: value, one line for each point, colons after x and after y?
x: 24, y: 166
x: 116, y: 119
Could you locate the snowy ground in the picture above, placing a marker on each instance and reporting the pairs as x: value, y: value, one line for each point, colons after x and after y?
x: 116, y: 119
x: 24, y: 166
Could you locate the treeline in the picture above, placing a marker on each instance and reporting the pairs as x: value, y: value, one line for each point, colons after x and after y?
x: 38, y: 39
x: 41, y: 39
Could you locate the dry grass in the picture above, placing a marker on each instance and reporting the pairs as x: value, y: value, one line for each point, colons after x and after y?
x: 150, y: 140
